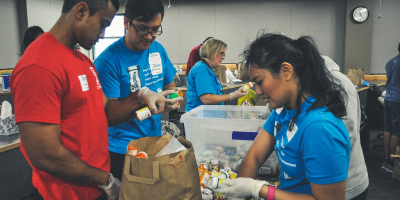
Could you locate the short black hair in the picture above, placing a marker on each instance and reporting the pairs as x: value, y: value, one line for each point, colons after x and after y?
x: 94, y: 5
x: 143, y: 10
x: 207, y: 39
x: 30, y: 36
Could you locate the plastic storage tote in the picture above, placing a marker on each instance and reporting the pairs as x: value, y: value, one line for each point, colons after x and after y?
x: 225, y: 133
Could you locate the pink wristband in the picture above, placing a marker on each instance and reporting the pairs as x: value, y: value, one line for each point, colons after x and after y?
x: 271, y: 193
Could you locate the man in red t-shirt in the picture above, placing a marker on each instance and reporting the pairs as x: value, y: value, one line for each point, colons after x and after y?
x: 61, y: 111
x: 194, y: 57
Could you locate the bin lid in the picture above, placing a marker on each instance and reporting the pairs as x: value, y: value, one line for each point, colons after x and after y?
x: 225, y: 114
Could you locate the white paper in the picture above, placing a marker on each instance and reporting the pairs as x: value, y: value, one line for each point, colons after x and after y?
x: 173, y: 146
x: 155, y: 64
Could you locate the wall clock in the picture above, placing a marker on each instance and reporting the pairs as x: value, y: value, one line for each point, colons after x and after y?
x: 360, y: 14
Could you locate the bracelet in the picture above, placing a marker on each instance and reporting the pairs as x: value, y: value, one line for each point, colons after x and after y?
x: 271, y: 193
x: 111, y: 180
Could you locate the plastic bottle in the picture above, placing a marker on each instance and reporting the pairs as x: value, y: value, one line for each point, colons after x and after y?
x: 132, y: 151
x: 141, y: 154
x: 176, y: 94
x: 247, y: 86
x: 143, y: 114
x: 215, y: 164
x: 274, y: 182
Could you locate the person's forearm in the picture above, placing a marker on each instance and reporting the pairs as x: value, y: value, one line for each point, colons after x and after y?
x: 63, y: 164
x: 210, y: 99
x: 169, y: 87
x: 120, y: 111
x: 285, y: 195
x: 249, y: 167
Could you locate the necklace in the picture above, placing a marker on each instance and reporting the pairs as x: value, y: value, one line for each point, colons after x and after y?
x: 205, y: 62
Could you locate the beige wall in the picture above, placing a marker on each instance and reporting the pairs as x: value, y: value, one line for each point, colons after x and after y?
x: 358, y: 38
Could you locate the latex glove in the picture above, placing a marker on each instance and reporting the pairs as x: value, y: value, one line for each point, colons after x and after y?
x: 153, y: 100
x: 237, y: 94
x: 243, y: 187
x: 112, y: 190
x: 171, y: 104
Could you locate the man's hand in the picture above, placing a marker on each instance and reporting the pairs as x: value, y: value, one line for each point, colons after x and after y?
x: 171, y: 104
x: 243, y: 187
x: 112, y: 190
x: 153, y: 100
x: 184, y: 142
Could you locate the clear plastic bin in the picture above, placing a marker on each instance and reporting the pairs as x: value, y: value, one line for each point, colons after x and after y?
x: 8, y: 126
x: 209, y: 126
x: 225, y: 133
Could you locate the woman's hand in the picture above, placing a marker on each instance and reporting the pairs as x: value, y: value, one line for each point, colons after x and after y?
x: 243, y: 187
x: 237, y: 94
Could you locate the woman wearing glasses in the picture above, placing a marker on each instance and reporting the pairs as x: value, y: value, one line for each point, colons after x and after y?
x: 203, y: 86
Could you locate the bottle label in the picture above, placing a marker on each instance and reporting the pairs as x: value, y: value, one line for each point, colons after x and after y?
x: 143, y: 114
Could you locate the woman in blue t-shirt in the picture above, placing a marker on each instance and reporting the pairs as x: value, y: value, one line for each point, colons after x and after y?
x: 203, y: 86
x: 307, y: 133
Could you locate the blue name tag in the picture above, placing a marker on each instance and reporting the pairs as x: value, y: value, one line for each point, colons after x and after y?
x: 237, y: 135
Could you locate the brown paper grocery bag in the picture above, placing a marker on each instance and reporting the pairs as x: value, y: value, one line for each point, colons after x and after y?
x: 173, y: 176
x: 396, y: 168
x: 360, y: 77
x: 243, y: 73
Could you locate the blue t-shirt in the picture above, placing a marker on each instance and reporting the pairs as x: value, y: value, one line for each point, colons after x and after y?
x: 112, y: 67
x: 393, y: 79
x: 201, y: 80
x: 317, y: 149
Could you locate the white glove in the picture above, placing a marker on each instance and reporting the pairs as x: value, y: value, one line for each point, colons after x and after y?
x: 153, y: 100
x: 112, y: 190
x: 243, y: 187
x: 171, y: 104
x: 237, y: 94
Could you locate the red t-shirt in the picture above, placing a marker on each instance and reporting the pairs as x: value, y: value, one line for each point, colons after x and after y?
x: 54, y: 84
x: 194, y: 57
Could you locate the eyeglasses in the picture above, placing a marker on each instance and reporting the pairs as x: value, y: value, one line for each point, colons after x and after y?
x: 222, y: 54
x: 146, y: 32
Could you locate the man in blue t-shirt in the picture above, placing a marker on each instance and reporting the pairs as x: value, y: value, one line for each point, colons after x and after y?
x: 391, y: 137
x: 132, y: 62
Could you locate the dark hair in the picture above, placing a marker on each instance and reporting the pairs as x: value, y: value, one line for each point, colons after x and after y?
x: 207, y: 39
x: 269, y: 51
x: 398, y: 48
x: 30, y: 36
x: 143, y: 10
x: 94, y: 5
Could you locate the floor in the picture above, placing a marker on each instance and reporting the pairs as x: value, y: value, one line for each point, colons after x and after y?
x: 381, y: 184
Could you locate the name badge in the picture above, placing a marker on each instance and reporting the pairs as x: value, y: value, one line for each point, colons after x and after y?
x: 84, y: 83
x: 155, y: 64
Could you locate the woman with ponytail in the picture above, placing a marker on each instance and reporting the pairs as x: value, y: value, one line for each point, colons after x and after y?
x: 305, y: 128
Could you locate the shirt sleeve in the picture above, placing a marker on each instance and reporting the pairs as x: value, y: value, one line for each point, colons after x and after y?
x: 326, y: 153
x: 204, y: 83
x: 269, y: 125
x: 108, y: 77
x: 37, y: 95
x: 170, y: 70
